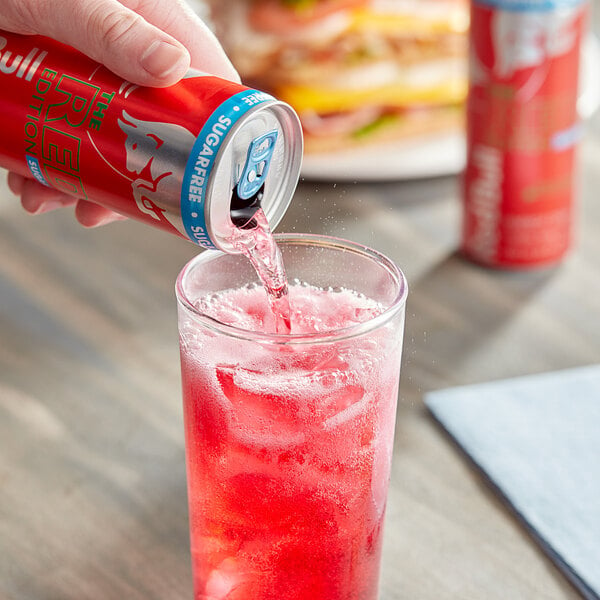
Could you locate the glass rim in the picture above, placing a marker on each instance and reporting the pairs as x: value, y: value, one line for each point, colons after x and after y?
x: 304, y: 239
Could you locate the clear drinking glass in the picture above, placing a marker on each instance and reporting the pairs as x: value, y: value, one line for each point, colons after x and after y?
x: 289, y: 437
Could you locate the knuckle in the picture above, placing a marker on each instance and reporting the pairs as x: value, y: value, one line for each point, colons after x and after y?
x: 113, y: 26
x: 26, y: 16
x: 168, y: 14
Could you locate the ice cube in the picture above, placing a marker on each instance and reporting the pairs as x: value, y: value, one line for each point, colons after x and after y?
x: 380, y: 476
x: 345, y: 404
x: 222, y: 580
x: 265, y: 407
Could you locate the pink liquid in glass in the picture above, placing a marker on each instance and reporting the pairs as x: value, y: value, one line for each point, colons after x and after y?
x: 288, y: 449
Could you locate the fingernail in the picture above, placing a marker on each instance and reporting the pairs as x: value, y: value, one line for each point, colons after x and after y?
x: 37, y: 207
x: 109, y: 218
x: 162, y: 58
x: 49, y: 205
x: 31, y: 204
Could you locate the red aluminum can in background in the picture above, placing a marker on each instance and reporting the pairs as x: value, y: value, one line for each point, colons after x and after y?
x: 522, y: 130
x: 172, y: 157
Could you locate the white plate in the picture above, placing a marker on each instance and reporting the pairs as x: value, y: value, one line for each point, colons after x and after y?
x: 435, y: 156
x: 402, y: 160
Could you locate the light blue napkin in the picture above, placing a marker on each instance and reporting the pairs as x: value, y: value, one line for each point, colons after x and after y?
x: 537, y: 438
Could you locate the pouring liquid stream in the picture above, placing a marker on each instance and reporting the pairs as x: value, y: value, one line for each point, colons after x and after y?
x: 256, y: 242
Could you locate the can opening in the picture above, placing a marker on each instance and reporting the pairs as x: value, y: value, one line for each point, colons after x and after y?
x: 264, y: 148
x: 242, y: 210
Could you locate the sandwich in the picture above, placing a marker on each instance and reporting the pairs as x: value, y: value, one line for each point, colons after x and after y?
x: 356, y: 71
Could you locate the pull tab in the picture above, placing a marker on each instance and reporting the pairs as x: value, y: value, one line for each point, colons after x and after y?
x: 257, y: 165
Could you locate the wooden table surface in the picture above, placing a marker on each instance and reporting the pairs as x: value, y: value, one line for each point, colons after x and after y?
x: 92, y: 478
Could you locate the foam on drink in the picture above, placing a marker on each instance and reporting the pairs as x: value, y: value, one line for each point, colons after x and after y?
x: 312, y: 309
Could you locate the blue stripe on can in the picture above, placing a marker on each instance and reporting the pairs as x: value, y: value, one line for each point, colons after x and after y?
x: 36, y: 170
x: 531, y: 5
x: 202, y: 161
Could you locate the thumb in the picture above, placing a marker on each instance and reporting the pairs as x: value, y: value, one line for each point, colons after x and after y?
x: 113, y: 35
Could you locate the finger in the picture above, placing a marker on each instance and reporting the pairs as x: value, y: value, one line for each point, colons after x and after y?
x: 109, y: 33
x: 178, y: 18
x: 37, y: 198
x: 15, y: 183
x: 90, y: 214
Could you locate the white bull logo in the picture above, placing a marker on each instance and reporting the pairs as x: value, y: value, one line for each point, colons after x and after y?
x: 160, y: 149
x: 525, y: 40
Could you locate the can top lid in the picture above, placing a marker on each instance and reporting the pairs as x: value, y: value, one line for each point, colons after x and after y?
x: 262, y: 154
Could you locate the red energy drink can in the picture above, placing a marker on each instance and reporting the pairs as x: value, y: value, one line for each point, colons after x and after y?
x: 522, y: 130
x: 171, y: 157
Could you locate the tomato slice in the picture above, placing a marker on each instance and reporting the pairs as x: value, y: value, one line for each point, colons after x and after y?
x: 281, y: 16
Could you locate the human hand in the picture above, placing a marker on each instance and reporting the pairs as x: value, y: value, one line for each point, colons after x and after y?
x: 147, y: 42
